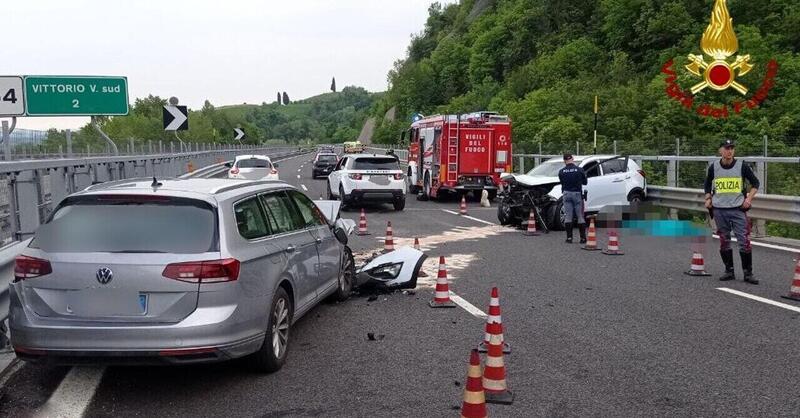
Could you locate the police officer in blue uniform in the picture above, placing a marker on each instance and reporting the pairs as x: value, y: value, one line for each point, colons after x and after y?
x: 573, y: 178
x: 727, y: 197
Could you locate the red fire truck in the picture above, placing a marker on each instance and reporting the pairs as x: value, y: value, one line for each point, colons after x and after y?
x: 458, y: 153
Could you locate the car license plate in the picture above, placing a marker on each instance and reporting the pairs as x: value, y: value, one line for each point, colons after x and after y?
x: 143, y: 303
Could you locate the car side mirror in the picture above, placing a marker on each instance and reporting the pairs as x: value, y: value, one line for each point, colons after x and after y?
x: 229, y: 165
x: 340, y: 234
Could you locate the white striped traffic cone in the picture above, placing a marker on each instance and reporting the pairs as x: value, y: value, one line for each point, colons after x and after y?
x: 474, y: 404
x: 531, y: 230
x: 441, y: 298
x: 794, y: 290
x: 388, y: 242
x: 591, y: 238
x: 698, y: 267
x: 494, y: 324
x: 462, y: 208
x: 613, y: 244
x: 494, y: 375
x: 362, y: 224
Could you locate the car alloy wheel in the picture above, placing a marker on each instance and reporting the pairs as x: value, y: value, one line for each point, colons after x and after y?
x: 280, y: 328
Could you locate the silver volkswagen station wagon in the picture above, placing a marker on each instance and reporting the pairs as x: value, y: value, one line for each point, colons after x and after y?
x: 175, y: 271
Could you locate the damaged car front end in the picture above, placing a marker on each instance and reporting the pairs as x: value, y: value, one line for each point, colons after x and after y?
x: 522, y: 194
x: 398, y: 269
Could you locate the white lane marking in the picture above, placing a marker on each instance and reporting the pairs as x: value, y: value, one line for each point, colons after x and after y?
x: 760, y: 299
x: 458, y: 300
x: 299, y: 169
x: 305, y: 189
x: 763, y: 244
x: 74, y: 394
x: 469, y: 217
x: 298, y: 176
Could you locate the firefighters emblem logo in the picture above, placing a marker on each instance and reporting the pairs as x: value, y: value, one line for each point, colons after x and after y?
x: 719, y: 42
x: 720, y: 72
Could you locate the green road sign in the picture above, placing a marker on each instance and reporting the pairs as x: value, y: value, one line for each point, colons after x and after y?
x: 76, y: 96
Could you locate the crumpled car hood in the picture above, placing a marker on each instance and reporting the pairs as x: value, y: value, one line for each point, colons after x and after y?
x: 527, y: 180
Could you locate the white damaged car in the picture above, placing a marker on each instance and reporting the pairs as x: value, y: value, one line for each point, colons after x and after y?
x: 612, y: 181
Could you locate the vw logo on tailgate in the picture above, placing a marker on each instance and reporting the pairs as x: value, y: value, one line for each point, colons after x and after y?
x: 104, y: 275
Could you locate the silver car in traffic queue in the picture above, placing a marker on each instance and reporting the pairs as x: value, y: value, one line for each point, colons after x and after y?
x: 175, y: 271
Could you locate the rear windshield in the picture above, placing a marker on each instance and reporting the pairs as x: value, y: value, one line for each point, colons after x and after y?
x: 327, y: 158
x: 130, y: 224
x: 253, y: 163
x: 378, y: 163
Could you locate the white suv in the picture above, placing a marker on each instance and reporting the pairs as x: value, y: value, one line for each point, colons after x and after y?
x: 612, y: 181
x: 252, y: 167
x: 368, y: 177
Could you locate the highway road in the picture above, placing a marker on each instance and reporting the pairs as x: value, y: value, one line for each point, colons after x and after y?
x: 591, y: 335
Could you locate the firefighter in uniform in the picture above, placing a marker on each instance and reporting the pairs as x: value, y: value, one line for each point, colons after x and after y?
x: 726, y: 197
x: 572, y: 179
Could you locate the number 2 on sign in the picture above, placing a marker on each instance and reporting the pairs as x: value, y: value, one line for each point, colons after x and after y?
x: 10, y: 96
x: 76, y: 104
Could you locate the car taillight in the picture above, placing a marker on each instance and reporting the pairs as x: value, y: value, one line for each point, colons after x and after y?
x: 234, y: 171
x: 274, y: 171
x: 355, y: 176
x: 212, y: 271
x: 642, y: 173
x: 29, y: 267
x: 399, y: 176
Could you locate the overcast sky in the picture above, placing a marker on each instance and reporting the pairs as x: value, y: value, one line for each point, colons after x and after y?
x: 229, y: 52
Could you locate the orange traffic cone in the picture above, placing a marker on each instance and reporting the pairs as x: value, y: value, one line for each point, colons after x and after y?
x: 388, y: 243
x: 416, y: 243
x: 462, y: 209
x: 362, y: 224
x: 698, y: 265
x: 494, y: 374
x: 531, y: 231
x: 613, y: 244
x: 591, y: 237
x: 494, y: 324
x: 794, y: 290
x: 441, y: 298
x: 474, y: 405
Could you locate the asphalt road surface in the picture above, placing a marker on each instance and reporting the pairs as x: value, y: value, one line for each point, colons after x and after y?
x: 591, y: 335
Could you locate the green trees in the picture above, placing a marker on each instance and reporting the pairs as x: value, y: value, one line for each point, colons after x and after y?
x: 543, y: 61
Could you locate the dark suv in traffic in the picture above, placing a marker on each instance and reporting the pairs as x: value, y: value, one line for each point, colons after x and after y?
x: 323, y: 164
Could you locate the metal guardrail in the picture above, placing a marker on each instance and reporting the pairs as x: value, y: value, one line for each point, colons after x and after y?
x: 30, y: 189
x: 765, y: 207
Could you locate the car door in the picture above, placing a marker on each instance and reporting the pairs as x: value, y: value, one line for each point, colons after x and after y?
x: 328, y: 248
x: 300, y: 247
x: 336, y: 176
x: 609, y: 186
x: 262, y: 259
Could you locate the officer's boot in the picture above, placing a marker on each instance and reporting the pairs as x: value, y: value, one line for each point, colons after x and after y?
x: 582, y: 231
x: 568, y: 228
x: 727, y: 259
x: 747, y: 266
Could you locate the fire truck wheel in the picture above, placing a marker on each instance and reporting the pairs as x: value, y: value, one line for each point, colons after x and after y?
x: 426, y: 189
x: 492, y: 195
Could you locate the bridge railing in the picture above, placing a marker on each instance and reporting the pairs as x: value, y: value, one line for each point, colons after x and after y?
x: 30, y: 189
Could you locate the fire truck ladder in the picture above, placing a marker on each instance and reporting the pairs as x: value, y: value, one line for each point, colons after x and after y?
x: 452, y: 148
